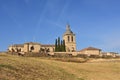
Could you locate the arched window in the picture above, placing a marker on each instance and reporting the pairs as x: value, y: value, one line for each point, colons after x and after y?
x: 68, y: 39
x: 68, y: 50
x: 32, y: 48
x: 53, y: 49
x: 48, y: 50
x: 73, y: 49
x: 72, y: 38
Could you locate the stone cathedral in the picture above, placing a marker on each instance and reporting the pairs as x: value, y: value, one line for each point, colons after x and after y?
x: 70, y: 44
x: 70, y: 40
x: 68, y: 36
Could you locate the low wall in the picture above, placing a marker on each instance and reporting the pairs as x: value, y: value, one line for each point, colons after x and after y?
x: 73, y: 53
x: 77, y: 54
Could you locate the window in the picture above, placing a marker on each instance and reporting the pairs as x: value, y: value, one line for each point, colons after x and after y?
x: 32, y: 48
x: 72, y: 38
x: 73, y: 49
x: 68, y: 39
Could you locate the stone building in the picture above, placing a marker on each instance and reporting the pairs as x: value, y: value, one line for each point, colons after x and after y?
x: 110, y: 54
x: 31, y: 47
x: 16, y: 48
x: 70, y: 40
x: 70, y: 44
x: 91, y: 51
x: 68, y: 36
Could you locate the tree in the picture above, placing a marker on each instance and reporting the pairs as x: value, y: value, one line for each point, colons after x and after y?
x: 56, y: 45
x: 64, y: 48
x: 60, y: 45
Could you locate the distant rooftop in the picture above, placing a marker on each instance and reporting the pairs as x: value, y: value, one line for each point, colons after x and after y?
x: 34, y: 43
x: 47, y: 45
x: 90, y: 48
x: 18, y: 45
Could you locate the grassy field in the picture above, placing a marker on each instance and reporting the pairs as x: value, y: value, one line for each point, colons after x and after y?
x: 36, y: 68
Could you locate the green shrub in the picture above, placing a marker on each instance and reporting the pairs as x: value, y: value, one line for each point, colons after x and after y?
x: 94, y: 56
x: 60, y: 55
x: 82, y: 55
x: 31, y: 54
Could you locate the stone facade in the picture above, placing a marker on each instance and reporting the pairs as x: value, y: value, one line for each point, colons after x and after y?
x: 68, y: 36
x: 112, y: 54
x: 91, y: 51
x: 70, y: 40
x: 70, y: 44
x: 16, y: 47
x: 31, y: 47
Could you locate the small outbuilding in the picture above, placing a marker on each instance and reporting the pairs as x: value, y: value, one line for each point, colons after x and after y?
x: 91, y: 51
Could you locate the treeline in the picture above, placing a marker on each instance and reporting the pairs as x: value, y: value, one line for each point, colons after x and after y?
x: 60, y: 45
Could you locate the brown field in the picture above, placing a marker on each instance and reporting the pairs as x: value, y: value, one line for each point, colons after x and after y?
x: 14, y: 67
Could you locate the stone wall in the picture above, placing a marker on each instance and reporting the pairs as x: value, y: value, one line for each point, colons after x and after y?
x: 73, y: 53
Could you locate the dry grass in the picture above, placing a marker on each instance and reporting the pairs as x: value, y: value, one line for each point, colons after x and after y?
x: 70, y: 59
x: 28, y: 68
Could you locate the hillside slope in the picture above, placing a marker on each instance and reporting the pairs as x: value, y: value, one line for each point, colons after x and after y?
x: 28, y: 68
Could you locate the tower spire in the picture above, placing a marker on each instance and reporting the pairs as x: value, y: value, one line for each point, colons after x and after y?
x: 68, y: 27
x: 69, y: 38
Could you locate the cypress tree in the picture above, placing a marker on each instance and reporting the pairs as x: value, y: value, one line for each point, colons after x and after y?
x: 56, y: 46
x: 61, y: 46
x: 64, y: 48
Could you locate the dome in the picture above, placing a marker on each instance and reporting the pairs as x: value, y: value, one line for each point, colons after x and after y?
x: 68, y: 30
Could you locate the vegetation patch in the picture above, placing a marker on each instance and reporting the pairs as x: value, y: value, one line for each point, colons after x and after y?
x: 7, y: 66
x: 76, y: 60
x: 15, y: 67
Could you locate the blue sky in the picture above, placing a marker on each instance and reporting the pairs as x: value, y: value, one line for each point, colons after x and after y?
x: 95, y: 22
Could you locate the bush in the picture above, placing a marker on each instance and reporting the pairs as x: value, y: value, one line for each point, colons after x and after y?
x: 94, y: 56
x: 82, y: 55
x: 76, y: 60
x: 60, y: 55
x: 107, y: 57
x: 12, y: 53
x: 30, y: 54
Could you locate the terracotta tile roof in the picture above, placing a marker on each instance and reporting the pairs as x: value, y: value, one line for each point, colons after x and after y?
x: 90, y: 48
x: 17, y: 45
x: 47, y: 45
x: 34, y: 43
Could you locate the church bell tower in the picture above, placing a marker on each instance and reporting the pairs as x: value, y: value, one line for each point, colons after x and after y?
x: 70, y: 40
